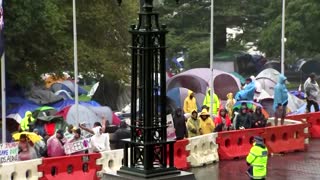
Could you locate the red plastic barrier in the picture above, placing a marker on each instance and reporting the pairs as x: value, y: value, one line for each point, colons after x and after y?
x: 313, y: 119
x: 236, y: 144
x: 79, y: 167
x: 287, y: 138
x: 180, y: 154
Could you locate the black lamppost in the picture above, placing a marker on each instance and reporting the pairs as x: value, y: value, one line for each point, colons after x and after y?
x: 151, y: 155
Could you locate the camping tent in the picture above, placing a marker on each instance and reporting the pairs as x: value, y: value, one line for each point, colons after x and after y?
x: 197, y: 80
x: 272, y: 64
x: 268, y: 78
x: 178, y: 95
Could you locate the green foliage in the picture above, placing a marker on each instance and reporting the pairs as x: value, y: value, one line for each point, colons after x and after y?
x: 39, y: 37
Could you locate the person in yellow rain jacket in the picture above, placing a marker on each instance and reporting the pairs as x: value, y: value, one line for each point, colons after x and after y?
x: 190, y: 103
x: 229, y: 105
x: 24, y: 125
x: 193, y: 124
x: 206, y: 123
x: 257, y: 159
x: 216, y: 102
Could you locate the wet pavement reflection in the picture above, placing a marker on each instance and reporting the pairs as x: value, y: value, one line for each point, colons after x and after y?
x: 291, y: 166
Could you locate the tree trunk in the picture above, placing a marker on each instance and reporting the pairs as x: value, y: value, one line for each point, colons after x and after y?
x: 220, y: 34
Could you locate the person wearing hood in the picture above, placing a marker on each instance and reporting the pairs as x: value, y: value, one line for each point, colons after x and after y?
x: 248, y: 92
x: 193, y: 124
x: 230, y: 103
x: 55, y: 144
x: 216, y: 102
x: 28, y: 119
x: 312, y: 91
x: 180, y: 124
x: 222, y: 121
x: 243, y: 119
x: 280, y: 100
x: 206, y: 123
x: 122, y: 133
x: 190, y: 103
x: 258, y: 119
x: 100, y: 141
x: 257, y: 159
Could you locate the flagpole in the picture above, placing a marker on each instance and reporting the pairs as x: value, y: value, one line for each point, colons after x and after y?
x: 3, y: 97
x: 75, y: 56
x: 283, y: 35
x: 211, y: 57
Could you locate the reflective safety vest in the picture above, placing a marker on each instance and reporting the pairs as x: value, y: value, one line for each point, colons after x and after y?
x: 258, y: 159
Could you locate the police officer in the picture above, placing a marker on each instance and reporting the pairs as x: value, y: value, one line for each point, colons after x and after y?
x: 257, y: 159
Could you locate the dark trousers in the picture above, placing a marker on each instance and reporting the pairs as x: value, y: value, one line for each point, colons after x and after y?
x: 315, y: 105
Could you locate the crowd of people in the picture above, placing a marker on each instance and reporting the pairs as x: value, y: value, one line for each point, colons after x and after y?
x: 32, y: 144
x: 192, y: 122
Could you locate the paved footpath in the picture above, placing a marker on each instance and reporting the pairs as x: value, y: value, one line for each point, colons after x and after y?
x: 292, y: 166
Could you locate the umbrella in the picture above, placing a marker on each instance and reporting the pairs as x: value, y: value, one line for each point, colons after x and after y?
x: 44, y: 111
x: 32, y: 136
x: 251, y: 105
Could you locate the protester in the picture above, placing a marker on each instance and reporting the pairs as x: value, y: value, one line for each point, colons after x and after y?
x: 193, y: 124
x: 55, y: 144
x: 69, y: 132
x: 258, y: 119
x: 206, y: 123
x: 248, y: 92
x: 190, y: 103
x: 180, y: 124
x: 40, y: 146
x: 122, y: 133
x: 216, y: 102
x: 26, y: 150
x: 312, y: 91
x: 222, y: 121
x: 24, y: 125
x: 243, y: 119
x: 91, y: 131
x: 100, y: 141
x: 230, y: 103
x: 76, y: 137
x: 257, y: 159
x: 280, y: 100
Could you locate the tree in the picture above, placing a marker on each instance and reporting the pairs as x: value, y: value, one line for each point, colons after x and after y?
x: 38, y: 37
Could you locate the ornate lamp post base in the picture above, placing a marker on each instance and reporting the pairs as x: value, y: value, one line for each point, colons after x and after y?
x: 182, y: 175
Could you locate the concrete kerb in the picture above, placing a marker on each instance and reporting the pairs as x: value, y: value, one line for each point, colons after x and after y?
x: 21, y: 170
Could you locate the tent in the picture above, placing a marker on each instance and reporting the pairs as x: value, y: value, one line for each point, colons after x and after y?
x: 113, y: 94
x: 86, y: 115
x: 310, y: 66
x: 105, y: 111
x: 66, y: 86
x: 197, y: 80
x: 272, y: 64
x: 268, y: 78
x: 178, y: 95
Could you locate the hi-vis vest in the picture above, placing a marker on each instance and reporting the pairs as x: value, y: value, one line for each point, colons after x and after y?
x: 258, y: 158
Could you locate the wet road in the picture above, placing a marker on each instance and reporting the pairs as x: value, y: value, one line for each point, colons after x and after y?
x: 292, y: 166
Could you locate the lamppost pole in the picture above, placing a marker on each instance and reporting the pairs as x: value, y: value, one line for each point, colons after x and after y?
x: 283, y: 35
x: 151, y: 154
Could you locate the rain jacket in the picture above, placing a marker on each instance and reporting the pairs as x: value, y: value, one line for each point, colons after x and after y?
x: 207, y: 125
x: 243, y: 119
x: 25, y: 121
x: 230, y: 102
x: 189, y: 104
x: 247, y: 93
x: 216, y: 102
x: 193, y: 126
x: 280, y: 93
x: 258, y: 118
x: 100, y: 142
x: 222, y: 122
x: 257, y: 159
x: 180, y: 124
x: 312, y: 90
x: 55, y: 146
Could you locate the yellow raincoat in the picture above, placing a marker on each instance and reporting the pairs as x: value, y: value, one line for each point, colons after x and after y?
x: 206, y: 126
x: 189, y: 104
x: 24, y: 125
x: 216, y: 102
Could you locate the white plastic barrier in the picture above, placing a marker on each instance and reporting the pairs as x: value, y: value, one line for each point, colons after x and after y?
x: 21, y: 170
x: 203, y: 150
x: 111, y: 161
